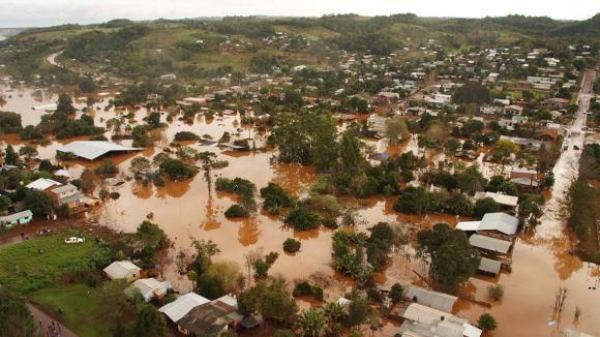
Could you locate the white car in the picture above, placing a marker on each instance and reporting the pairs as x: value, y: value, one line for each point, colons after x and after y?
x: 74, y: 239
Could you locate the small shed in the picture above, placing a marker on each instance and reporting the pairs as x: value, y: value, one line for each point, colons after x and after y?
x: 122, y: 270
x: 149, y: 288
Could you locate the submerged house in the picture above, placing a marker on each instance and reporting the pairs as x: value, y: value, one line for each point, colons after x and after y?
x: 19, y: 218
x: 149, y: 288
x: 179, y: 308
x: 423, y: 321
x: 211, y: 319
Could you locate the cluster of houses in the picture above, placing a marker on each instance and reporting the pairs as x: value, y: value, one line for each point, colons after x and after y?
x: 429, y: 315
x: 191, y: 314
x: 494, y: 236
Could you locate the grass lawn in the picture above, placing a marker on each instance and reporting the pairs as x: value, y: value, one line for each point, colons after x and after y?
x: 45, y: 262
x: 81, y: 305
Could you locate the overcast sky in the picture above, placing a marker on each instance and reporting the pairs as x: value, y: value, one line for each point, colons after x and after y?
x: 38, y: 13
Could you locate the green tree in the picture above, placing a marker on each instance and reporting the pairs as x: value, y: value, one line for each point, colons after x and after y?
x: 140, y: 166
x: 154, y: 120
x: 28, y: 151
x: 486, y: 205
x: 10, y: 156
x: 87, y: 180
x: 312, y: 323
x: 65, y: 104
x: 149, y: 322
x: 275, y: 196
x: 291, y: 245
x: 270, y: 298
x: 452, y: 145
x: 359, y: 311
x: 106, y: 168
x: 302, y: 219
x: 176, y: 170
x: 471, y: 180
x: 504, y: 148
x: 396, y: 293
x: 396, y: 129
x: 38, y: 202
x: 453, y: 259
x: 487, y: 322
x: 151, y: 235
x: 15, y: 318
x: 472, y: 92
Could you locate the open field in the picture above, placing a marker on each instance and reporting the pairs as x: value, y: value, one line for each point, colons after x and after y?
x: 45, y: 262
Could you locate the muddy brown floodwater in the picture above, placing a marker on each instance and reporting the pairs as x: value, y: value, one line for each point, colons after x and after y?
x: 186, y: 211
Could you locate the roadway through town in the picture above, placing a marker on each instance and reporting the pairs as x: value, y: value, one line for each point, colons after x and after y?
x: 566, y: 169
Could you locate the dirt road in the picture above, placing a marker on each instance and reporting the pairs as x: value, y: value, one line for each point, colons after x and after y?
x: 45, y: 323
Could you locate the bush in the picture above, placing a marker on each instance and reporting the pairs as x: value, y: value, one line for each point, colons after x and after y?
x: 396, y: 293
x: 302, y: 219
x: 496, y: 292
x: 186, y: 135
x: 306, y: 289
x: 330, y: 223
x: 236, y: 211
x: 275, y: 196
x: 291, y: 245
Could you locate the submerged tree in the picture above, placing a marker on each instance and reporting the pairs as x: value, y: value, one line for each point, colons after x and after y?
x: 453, y: 259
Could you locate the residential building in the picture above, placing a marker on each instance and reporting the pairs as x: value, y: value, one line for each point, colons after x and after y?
x: 423, y: 321
x: 430, y: 298
x: 177, y: 309
x: 19, y: 218
x: 210, y: 319
x: 122, y: 270
x: 149, y: 288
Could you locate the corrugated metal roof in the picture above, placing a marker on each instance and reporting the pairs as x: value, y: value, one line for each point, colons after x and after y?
x: 490, y: 266
x: 42, y: 184
x: 491, y: 244
x: 93, y: 149
x: 64, y: 188
x: 120, y: 269
x: 501, y: 222
x: 423, y: 314
x: 468, y: 226
x: 524, y: 182
x: 182, y: 305
x: 431, y: 298
x: 16, y: 216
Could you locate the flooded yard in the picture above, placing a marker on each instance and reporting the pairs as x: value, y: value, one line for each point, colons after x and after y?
x: 185, y: 210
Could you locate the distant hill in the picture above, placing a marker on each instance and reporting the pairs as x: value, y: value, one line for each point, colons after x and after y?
x: 587, y: 28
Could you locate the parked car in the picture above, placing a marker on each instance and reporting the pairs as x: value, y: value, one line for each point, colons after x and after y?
x: 74, y: 239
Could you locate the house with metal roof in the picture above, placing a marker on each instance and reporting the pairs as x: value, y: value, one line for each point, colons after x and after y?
x: 499, y: 223
x: 430, y: 298
x: 149, y: 288
x: 42, y: 184
x: 122, y: 270
x: 182, y: 306
x: 209, y: 319
x: 19, y: 218
x: 92, y: 150
x: 489, y: 266
x: 490, y: 244
x: 423, y: 321
x: 66, y: 195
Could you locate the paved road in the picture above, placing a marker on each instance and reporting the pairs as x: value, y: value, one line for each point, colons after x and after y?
x: 566, y: 169
x: 44, y: 321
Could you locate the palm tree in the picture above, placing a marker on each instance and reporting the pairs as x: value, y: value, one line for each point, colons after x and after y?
x: 312, y: 323
x: 487, y: 323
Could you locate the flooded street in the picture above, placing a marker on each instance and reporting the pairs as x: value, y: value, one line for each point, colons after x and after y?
x: 185, y: 210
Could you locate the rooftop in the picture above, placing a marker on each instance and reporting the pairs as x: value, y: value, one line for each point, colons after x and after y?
x: 431, y: 298
x: 491, y: 244
x: 501, y: 222
x: 490, y: 266
x: 182, y: 305
x: 93, y: 149
x: 16, y: 216
x: 120, y: 269
x: 42, y: 184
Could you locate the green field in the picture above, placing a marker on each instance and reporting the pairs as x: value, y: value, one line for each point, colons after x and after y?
x: 81, y: 307
x: 46, y: 262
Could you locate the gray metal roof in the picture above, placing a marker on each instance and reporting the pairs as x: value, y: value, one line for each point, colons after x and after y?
x: 501, y: 222
x: 182, y: 305
x: 120, y: 269
x: 431, y: 298
x: 500, y: 198
x: 491, y: 244
x: 93, y: 149
x: 16, y: 216
x: 64, y: 188
x: 490, y: 266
